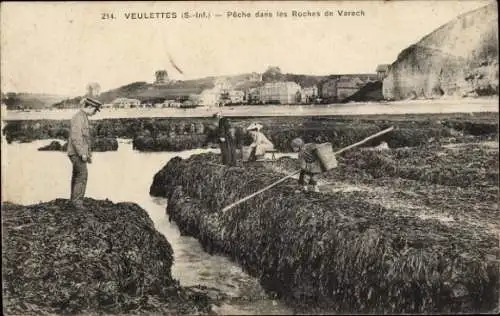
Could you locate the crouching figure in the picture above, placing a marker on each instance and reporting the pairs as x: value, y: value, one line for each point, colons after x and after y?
x: 260, y: 143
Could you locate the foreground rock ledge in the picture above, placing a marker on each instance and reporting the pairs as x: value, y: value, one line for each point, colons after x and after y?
x: 331, y: 252
x: 107, y: 258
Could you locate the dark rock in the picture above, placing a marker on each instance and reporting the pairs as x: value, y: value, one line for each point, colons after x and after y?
x: 104, y: 144
x: 100, y: 144
x: 169, y: 143
x: 103, y: 258
x: 53, y: 146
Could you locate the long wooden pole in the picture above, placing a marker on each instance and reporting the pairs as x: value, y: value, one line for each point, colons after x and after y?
x: 259, y: 192
x: 298, y: 171
x: 365, y: 140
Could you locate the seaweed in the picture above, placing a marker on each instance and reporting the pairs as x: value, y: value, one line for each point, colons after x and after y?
x: 104, y: 258
x: 334, y: 252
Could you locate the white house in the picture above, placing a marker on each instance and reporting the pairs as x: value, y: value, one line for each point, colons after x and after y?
x: 236, y: 96
x: 209, y: 97
x: 308, y: 94
x: 126, y: 103
x: 279, y: 92
x: 223, y: 85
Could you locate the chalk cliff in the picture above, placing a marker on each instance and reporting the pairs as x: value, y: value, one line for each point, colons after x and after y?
x: 458, y: 59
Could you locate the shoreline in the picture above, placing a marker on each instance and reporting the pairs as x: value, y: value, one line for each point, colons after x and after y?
x: 348, y: 109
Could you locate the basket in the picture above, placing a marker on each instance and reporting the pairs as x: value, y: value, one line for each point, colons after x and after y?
x: 327, y: 159
x: 246, y: 151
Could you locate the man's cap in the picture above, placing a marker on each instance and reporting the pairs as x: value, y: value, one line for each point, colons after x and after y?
x: 93, y: 102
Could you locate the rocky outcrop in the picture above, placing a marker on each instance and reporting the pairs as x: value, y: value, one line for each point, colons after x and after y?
x: 99, y: 144
x: 104, y: 258
x: 336, y: 252
x: 166, y: 143
x: 160, y: 134
x: 104, y: 144
x: 458, y: 59
x: 53, y: 146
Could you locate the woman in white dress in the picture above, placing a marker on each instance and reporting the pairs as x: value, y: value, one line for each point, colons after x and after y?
x: 260, y: 143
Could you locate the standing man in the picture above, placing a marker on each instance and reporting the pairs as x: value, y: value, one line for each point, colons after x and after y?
x: 226, y: 140
x: 79, y: 149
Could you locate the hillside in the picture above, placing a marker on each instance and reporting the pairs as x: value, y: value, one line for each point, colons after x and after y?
x: 458, y: 59
x: 305, y: 80
x: 150, y: 92
x: 30, y: 100
x: 153, y: 93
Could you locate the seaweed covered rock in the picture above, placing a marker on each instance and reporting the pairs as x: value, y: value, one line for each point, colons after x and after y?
x: 473, y: 128
x: 339, y: 130
x: 106, y: 258
x: 341, y: 135
x: 100, y: 144
x: 158, y: 186
x: 169, y: 143
x: 334, y: 252
x: 53, y: 146
x: 104, y: 144
x: 460, y: 167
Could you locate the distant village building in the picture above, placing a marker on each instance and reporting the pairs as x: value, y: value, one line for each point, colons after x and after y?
x: 382, y: 71
x: 209, y: 97
x: 255, y: 77
x: 126, y: 103
x: 171, y: 104
x: 220, y: 94
x: 279, y: 92
x: 252, y: 96
x: 329, y: 90
x: 161, y: 77
x: 347, y: 86
x: 194, y: 98
x: 340, y: 87
x: 168, y: 103
x: 223, y: 85
x: 236, y: 96
x: 309, y: 94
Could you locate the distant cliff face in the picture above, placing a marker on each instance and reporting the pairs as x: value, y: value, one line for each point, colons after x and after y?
x: 458, y: 59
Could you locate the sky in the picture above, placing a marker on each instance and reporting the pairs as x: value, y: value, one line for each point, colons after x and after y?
x: 60, y: 47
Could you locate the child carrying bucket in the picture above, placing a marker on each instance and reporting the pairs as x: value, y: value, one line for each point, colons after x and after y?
x: 314, y: 159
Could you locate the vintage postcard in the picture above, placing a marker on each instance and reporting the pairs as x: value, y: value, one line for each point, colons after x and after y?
x: 250, y: 157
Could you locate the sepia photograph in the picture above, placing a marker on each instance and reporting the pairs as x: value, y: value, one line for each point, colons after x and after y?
x: 250, y: 157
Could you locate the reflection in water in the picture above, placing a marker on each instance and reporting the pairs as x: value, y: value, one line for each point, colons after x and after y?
x: 31, y: 176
